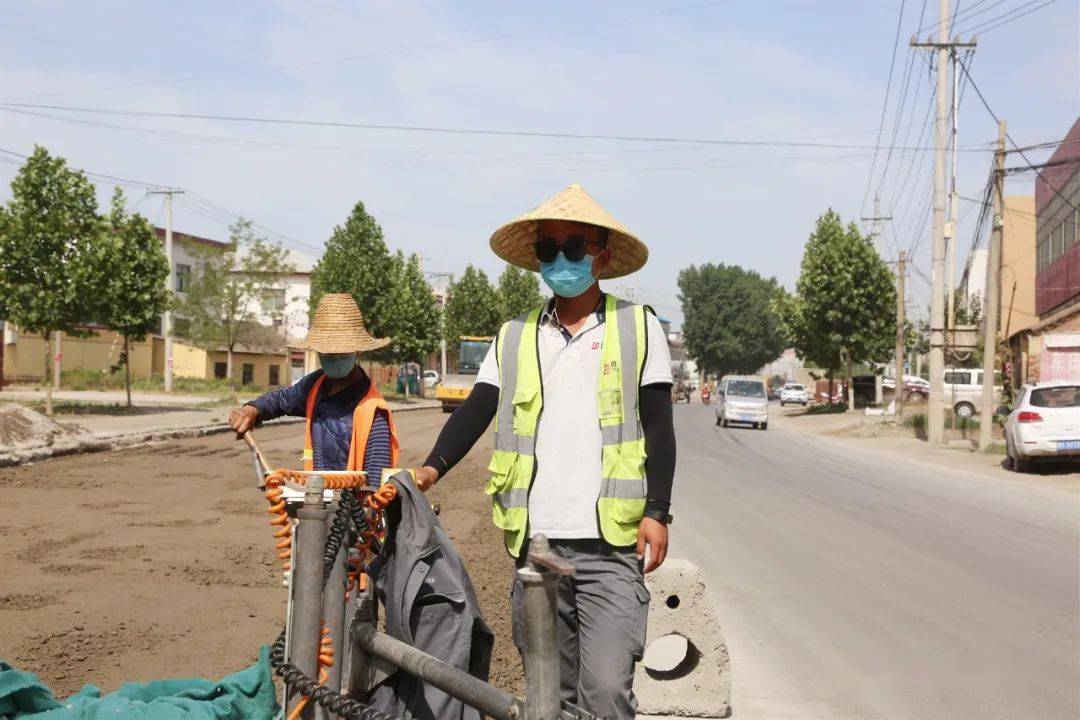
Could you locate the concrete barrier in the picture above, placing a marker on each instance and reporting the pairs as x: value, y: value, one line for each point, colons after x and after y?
x: 685, y: 671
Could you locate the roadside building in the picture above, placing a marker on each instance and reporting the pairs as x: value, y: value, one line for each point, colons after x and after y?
x: 286, y: 307
x: 682, y: 366
x: 1049, y: 348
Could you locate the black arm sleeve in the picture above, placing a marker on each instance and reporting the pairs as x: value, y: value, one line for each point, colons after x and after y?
x: 656, y: 421
x: 465, y: 427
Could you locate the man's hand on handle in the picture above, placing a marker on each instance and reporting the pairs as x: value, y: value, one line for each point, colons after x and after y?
x: 654, y: 534
x: 425, y: 477
x: 243, y: 419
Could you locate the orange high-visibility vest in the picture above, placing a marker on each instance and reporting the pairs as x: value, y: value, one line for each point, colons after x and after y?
x: 363, y: 419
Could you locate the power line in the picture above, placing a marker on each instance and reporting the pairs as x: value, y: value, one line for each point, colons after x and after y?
x: 459, y: 131
x: 193, y: 201
x: 559, y: 27
x: 952, y: 18
x: 885, y: 102
x: 991, y: 25
x: 1016, y: 147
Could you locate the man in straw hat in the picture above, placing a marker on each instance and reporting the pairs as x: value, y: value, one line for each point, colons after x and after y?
x: 349, y: 425
x: 580, y: 390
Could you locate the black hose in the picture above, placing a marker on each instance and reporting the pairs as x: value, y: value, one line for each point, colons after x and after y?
x: 349, y: 519
x: 335, y: 702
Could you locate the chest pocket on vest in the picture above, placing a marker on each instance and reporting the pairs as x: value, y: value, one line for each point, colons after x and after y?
x: 611, y: 404
x: 526, y: 403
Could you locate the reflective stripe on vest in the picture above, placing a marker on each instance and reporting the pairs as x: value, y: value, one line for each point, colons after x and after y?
x: 363, y: 419
x: 621, y: 503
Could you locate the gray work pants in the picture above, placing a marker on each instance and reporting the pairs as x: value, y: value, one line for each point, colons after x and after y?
x: 603, y: 609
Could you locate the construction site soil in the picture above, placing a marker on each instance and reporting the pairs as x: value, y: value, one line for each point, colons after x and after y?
x: 157, y: 561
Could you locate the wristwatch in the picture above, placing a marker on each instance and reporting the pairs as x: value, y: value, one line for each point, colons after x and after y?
x: 659, y: 516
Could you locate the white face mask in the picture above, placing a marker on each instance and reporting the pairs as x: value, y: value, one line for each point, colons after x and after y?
x: 337, y: 366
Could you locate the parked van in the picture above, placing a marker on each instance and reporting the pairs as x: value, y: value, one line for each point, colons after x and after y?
x: 742, y: 399
x: 963, y: 390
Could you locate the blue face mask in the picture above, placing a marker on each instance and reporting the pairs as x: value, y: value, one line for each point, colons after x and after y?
x: 337, y: 366
x: 567, y: 278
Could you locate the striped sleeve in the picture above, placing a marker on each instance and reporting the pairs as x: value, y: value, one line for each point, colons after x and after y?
x: 377, y: 453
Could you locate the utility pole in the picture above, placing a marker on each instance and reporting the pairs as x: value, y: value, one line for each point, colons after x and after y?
x: 898, y: 383
x: 875, y: 228
x: 993, y: 294
x: 935, y: 424
x: 950, y: 231
x: 166, y: 318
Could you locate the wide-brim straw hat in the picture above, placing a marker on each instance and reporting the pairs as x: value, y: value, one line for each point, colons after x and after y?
x: 338, y: 327
x: 513, y: 242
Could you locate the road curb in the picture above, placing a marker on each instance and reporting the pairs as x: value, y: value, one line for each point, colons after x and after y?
x: 105, y: 443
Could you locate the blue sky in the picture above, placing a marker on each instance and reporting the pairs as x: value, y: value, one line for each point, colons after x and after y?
x: 779, y: 71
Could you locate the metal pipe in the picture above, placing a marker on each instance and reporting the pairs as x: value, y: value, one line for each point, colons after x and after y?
x: 333, y: 613
x: 307, y: 584
x: 473, y: 692
x: 541, y: 653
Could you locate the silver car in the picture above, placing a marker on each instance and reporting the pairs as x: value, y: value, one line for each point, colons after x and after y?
x: 742, y: 399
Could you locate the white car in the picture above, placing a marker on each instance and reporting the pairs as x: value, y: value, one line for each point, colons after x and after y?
x: 963, y: 390
x: 742, y: 399
x: 431, y: 378
x: 794, y: 393
x: 1045, y: 423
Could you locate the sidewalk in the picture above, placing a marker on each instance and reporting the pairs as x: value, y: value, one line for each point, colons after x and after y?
x: 150, y: 421
x: 104, y: 397
x: 880, y: 436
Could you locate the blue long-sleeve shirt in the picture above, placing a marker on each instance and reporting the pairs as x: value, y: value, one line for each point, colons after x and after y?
x: 331, y: 428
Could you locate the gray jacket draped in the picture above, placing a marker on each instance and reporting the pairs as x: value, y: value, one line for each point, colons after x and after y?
x: 429, y: 602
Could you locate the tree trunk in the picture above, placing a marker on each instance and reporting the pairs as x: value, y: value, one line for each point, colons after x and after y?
x: 127, y: 369
x: 228, y: 364
x: 420, y: 381
x: 47, y: 336
x: 829, y: 374
x: 850, y: 388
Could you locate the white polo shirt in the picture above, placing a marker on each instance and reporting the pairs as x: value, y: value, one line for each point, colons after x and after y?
x: 562, y: 502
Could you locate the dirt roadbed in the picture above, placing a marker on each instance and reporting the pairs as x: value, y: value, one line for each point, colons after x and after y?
x: 156, y: 561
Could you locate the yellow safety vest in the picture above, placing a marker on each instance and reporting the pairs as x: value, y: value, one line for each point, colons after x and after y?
x: 621, y: 503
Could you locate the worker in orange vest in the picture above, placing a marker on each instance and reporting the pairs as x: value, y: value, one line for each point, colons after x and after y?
x: 349, y: 424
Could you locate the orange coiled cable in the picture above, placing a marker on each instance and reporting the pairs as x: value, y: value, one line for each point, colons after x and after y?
x: 275, y: 496
x: 326, y: 659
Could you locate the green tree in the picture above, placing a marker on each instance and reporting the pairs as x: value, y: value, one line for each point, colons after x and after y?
x: 223, y: 301
x: 844, y: 309
x: 356, y: 261
x: 519, y: 292
x: 411, y: 316
x: 136, y: 295
x: 51, y: 271
x: 729, y: 318
x: 472, y: 308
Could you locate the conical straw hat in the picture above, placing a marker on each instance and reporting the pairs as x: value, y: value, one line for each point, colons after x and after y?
x: 513, y: 242
x: 338, y: 327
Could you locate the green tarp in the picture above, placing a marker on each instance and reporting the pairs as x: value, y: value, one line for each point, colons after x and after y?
x: 244, y: 695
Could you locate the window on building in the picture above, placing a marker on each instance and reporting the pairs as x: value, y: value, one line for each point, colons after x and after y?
x: 183, y: 277
x: 274, y: 301
x: 221, y: 370
x: 275, y: 378
x: 181, y: 326
x: 249, y: 374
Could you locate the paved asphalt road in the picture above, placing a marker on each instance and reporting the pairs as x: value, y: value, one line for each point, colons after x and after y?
x: 849, y: 587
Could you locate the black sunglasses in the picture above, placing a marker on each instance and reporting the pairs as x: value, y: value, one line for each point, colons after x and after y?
x: 573, y: 248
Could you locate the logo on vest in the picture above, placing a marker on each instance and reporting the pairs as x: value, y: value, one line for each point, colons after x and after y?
x: 610, y: 367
